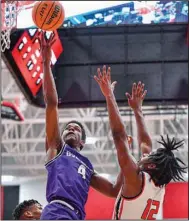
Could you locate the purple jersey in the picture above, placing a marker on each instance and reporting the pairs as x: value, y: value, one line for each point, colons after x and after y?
x: 69, y: 176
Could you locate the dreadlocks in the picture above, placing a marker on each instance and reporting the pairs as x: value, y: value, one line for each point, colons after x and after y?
x: 20, y: 208
x: 167, y: 165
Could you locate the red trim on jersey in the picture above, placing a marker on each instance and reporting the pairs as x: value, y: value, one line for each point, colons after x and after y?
x: 121, y: 208
x: 137, y: 196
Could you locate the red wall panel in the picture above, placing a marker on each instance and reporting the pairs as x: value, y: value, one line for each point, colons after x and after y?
x: 176, y: 201
x: 99, y: 206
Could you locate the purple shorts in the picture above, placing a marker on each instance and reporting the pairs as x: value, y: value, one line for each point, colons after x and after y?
x: 57, y: 211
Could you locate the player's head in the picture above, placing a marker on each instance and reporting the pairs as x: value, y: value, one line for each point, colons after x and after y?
x: 28, y: 209
x: 74, y: 134
x: 162, y: 165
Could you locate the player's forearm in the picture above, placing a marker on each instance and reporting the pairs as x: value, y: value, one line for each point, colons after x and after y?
x: 105, y: 186
x: 116, y: 122
x: 49, y: 87
x: 142, y: 133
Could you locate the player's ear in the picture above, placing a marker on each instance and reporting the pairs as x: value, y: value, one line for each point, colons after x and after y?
x: 28, y: 215
x: 130, y: 139
x: 82, y: 143
x: 151, y: 166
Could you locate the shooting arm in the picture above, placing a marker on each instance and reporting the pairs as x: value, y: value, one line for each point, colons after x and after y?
x: 106, y: 187
x: 51, y: 101
x: 49, y: 87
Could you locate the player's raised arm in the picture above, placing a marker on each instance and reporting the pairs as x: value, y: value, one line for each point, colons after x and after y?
x: 106, y: 187
x: 53, y: 138
x: 135, y: 101
x: 126, y: 162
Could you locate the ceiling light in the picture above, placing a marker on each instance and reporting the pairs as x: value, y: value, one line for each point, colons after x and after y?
x: 105, y: 175
x: 91, y: 140
x: 7, y: 179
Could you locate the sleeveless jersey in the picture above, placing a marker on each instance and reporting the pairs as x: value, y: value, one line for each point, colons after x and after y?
x: 144, y: 206
x: 69, y: 175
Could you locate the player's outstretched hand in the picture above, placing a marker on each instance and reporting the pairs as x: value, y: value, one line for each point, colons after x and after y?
x: 46, y: 47
x: 104, y: 81
x: 135, y: 100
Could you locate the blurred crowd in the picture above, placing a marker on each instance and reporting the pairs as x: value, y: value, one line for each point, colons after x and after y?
x: 134, y: 12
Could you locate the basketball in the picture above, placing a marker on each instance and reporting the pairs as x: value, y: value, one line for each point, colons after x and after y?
x: 48, y: 15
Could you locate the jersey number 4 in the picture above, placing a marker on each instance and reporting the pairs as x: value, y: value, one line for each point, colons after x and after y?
x: 151, y: 209
x: 82, y: 170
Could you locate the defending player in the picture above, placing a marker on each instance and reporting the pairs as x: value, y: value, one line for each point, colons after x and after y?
x: 69, y: 173
x: 143, y: 189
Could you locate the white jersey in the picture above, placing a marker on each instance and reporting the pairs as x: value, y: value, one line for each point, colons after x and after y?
x: 145, y: 205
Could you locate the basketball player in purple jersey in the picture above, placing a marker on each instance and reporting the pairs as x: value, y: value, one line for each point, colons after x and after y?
x: 69, y: 173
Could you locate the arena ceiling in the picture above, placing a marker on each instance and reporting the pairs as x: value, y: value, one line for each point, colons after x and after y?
x: 23, y: 150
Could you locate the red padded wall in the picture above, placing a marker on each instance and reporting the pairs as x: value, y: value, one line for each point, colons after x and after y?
x: 175, y: 203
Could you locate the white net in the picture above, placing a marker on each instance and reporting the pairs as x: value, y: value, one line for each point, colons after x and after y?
x: 9, y: 13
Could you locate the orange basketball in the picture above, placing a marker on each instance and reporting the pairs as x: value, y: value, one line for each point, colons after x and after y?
x: 48, y: 15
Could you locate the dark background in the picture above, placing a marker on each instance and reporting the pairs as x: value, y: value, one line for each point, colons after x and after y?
x: 11, y: 200
x: 154, y: 54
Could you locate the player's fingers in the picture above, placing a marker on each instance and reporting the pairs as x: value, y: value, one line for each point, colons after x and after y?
x: 44, y: 39
x: 128, y: 96
x: 104, y: 72
x: 141, y: 90
x: 134, y: 89
x: 113, y: 85
x: 144, y: 95
x: 97, y: 79
x: 52, y: 42
x: 138, y: 88
x: 51, y: 37
x: 99, y: 73
x: 109, y: 74
x: 41, y: 40
x: 40, y: 43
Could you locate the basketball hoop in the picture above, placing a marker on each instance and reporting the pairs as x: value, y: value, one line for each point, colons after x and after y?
x: 9, y: 20
x: 10, y: 111
x: 9, y: 11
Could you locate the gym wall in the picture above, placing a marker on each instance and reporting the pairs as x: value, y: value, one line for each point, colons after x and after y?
x: 98, y: 206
